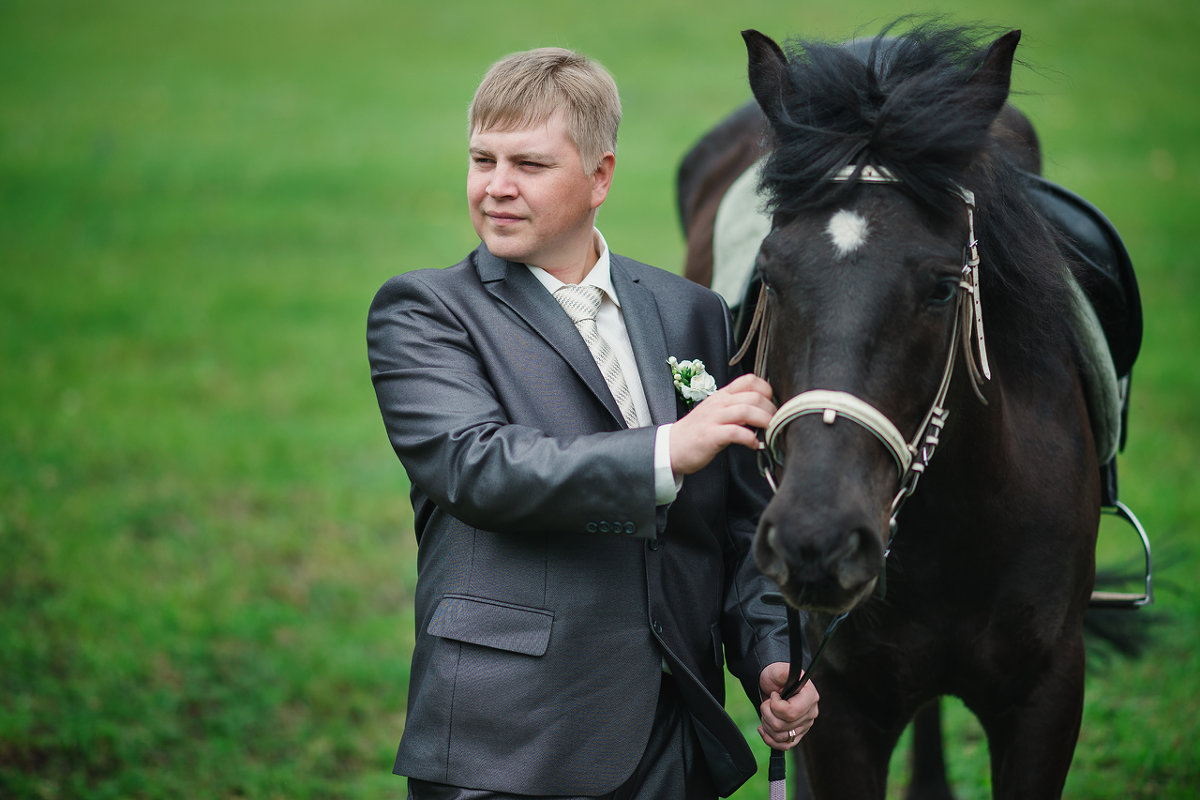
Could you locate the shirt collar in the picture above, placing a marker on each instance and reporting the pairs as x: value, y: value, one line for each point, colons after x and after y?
x: 599, y: 275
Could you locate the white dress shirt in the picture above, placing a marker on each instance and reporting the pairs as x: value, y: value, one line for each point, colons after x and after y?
x: 611, y: 324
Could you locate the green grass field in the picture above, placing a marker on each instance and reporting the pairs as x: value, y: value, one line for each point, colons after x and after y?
x: 206, y: 553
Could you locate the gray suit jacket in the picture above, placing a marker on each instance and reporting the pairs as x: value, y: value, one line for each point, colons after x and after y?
x: 550, y: 586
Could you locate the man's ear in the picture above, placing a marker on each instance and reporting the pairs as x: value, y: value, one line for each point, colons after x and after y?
x: 602, y: 178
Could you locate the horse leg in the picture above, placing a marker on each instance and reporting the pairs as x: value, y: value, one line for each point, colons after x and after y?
x: 800, y: 787
x: 846, y: 754
x: 928, y: 762
x: 1033, y: 740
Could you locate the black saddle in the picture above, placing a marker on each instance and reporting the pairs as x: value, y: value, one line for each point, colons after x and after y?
x: 1110, y: 283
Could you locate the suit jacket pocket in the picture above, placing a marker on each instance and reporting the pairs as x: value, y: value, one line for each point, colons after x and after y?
x: 491, y: 623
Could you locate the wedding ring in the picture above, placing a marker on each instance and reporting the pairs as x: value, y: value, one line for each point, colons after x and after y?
x: 791, y: 735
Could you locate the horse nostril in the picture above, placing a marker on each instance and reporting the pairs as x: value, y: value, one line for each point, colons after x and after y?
x: 769, y: 555
x: 773, y: 538
x: 851, y: 562
x: 841, y: 552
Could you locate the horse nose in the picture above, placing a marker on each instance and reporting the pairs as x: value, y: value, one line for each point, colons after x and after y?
x: 842, y: 549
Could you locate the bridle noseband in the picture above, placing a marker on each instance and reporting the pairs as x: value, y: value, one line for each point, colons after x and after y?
x: 912, y: 456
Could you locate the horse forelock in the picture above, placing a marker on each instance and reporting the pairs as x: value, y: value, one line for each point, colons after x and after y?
x: 906, y: 104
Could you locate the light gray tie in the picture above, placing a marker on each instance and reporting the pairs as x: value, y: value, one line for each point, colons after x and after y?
x: 581, y: 304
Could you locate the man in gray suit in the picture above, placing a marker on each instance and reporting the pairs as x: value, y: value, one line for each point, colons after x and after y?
x: 583, y: 537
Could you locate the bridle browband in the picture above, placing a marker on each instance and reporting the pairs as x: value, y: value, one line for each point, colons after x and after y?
x: 912, y: 456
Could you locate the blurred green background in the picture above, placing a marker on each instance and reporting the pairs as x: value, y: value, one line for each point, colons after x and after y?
x: 206, y: 553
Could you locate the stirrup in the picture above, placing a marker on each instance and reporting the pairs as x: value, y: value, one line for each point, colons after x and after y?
x: 1127, y: 600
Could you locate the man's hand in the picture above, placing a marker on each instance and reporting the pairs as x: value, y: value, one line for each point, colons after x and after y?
x: 727, y: 416
x: 784, y: 722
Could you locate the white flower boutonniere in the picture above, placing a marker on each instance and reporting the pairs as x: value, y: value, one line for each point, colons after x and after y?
x: 692, y: 381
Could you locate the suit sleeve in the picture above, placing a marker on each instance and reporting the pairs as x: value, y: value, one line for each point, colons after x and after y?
x: 449, y: 425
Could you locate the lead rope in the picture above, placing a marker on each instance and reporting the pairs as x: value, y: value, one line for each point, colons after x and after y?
x: 777, y: 765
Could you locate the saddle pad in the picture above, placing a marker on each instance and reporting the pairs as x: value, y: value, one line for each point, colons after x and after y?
x: 742, y: 223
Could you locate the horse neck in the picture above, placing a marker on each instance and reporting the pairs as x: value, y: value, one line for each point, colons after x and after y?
x: 1035, y: 404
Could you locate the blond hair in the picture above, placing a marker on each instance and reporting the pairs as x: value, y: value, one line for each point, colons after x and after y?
x: 527, y: 88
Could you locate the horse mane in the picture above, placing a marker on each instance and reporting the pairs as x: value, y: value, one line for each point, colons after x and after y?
x: 906, y: 103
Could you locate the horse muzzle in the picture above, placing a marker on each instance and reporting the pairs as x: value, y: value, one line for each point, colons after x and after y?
x: 825, y: 560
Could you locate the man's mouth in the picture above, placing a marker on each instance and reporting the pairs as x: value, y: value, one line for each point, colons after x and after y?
x: 502, y: 218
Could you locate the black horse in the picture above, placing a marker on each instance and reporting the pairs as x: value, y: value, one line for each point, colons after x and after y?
x: 897, y: 183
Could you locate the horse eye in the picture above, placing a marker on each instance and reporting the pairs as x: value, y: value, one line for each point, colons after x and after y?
x: 944, y: 291
x: 760, y: 273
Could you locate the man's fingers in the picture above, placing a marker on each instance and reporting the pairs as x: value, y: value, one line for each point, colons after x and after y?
x: 777, y: 714
x: 782, y: 741
x: 731, y: 415
x: 750, y: 382
x: 784, y: 722
x: 741, y: 408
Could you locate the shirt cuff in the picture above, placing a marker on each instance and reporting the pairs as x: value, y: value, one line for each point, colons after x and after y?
x: 666, y: 483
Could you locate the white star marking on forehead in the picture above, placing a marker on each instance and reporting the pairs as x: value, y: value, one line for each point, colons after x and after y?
x: 848, y: 231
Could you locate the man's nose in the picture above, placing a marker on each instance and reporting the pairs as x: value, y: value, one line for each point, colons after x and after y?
x: 502, y: 182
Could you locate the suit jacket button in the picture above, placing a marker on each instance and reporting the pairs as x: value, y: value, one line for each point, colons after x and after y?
x: 657, y: 626
x: 590, y: 527
x: 604, y: 527
x: 630, y: 527
x: 653, y: 544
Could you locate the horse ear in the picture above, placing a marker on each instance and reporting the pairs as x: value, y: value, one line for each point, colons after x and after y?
x: 768, y: 73
x: 995, y: 71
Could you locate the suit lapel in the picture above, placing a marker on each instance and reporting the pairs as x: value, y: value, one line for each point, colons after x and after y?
x: 514, y: 286
x: 644, y: 324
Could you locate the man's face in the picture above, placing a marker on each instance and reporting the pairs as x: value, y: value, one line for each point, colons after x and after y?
x: 531, y: 199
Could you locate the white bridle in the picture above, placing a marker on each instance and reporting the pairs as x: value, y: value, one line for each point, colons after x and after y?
x: 912, y: 456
